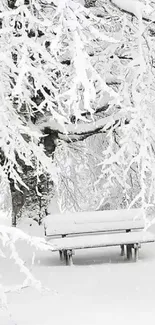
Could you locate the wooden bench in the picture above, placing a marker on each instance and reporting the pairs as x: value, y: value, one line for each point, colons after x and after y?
x: 71, y: 231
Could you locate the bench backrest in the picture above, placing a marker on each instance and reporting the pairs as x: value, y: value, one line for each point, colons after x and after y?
x: 93, y: 222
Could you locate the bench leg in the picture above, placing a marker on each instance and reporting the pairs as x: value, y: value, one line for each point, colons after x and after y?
x: 136, y: 251
x: 65, y: 255
x: 61, y: 255
x: 68, y: 257
x: 129, y: 252
x: 122, y: 250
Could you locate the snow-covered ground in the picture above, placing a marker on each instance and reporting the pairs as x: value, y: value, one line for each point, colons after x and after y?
x: 100, y: 288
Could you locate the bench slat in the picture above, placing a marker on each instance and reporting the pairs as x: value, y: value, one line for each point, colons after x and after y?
x: 71, y: 228
x: 102, y: 240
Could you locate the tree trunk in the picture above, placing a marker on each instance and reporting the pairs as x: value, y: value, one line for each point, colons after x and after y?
x: 14, y: 219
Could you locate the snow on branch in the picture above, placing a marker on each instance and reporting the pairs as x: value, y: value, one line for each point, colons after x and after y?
x: 136, y: 8
x: 34, y: 79
x: 82, y: 131
x: 8, y: 237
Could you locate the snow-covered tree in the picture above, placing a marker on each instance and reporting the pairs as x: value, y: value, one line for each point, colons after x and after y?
x: 73, y: 69
x: 75, y: 74
x: 111, y: 91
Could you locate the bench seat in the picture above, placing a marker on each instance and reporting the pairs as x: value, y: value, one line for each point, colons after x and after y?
x: 105, y: 240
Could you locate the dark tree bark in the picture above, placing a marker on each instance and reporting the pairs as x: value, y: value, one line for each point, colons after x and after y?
x: 90, y: 3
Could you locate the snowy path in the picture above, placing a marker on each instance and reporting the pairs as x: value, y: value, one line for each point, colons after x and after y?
x: 101, y: 288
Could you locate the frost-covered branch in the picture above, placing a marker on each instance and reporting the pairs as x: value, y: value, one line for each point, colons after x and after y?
x: 135, y: 8
x: 79, y: 132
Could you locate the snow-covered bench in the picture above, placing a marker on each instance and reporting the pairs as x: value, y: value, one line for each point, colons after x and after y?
x: 68, y: 232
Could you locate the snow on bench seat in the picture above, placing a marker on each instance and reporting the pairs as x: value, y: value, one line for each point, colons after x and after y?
x: 105, y: 240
